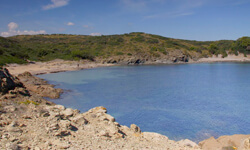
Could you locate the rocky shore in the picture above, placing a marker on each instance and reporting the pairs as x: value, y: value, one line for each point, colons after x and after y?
x: 59, y: 65
x: 27, y: 121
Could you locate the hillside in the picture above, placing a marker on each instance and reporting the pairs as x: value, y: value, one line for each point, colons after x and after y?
x: 129, y: 48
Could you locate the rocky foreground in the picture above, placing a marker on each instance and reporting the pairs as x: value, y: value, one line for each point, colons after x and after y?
x: 27, y: 121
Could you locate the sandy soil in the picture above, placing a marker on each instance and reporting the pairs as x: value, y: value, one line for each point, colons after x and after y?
x: 59, y: 65
x: 54, y: 66
x: 229, y: 58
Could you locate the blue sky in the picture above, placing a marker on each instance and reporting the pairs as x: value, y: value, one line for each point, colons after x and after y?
x: 184, y: 19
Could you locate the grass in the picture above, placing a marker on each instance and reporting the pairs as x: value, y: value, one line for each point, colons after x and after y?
x: 27, y: 102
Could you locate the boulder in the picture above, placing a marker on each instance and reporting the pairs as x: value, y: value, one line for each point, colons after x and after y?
x: 67, y: 112
x: 188, y: 143
x: 8, y: 82
x: 135, y: 128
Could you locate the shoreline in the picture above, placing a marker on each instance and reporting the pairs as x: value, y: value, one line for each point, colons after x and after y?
x: 59, y: 65
x: 62, y: 66
x: 54, y: 66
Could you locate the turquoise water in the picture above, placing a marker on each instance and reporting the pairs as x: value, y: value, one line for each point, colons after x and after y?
x: 193, y: 101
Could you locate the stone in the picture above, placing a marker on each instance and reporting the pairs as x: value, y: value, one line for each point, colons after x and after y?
x: 79, y: 119
x: 245, y: 145
x: 188, y: 143
x: 67, y: 112
x: 12, y: 146
x: 99, y: 109
x: 135, y: 128
x: 60, y: 107
x: 107, y: 117
x: 10, y: 108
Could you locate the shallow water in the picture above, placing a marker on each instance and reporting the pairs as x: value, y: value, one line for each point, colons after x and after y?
x: 193, y: 101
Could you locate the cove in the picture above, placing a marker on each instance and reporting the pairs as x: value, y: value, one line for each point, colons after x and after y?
x: 194, y: 101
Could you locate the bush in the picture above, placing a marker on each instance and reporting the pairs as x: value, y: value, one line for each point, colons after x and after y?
x: 138, y: 38
x: 119, y: 53
x: 152, y: 41
x: 42, y: 53
x: 82, y: 54
x: 212, y: 48
x: 1, y: 52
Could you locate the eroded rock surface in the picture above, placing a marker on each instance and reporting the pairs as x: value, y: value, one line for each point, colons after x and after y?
x: 39, y: 86
x: 54, y: 127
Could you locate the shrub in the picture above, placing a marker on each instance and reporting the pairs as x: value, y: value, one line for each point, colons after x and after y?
x: 82, y: 54
x: 27, y: 102
x: 1, y: 52
x: 42, y: 53
x: 152, y: 41
x: 119, y: 53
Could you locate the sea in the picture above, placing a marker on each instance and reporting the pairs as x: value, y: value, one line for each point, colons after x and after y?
x: 181, y: 101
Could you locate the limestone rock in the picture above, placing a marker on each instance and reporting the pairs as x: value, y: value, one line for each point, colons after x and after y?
x: 8, y: 82
x: 67, y: 112
x: 135, y: 128
x: 188, y: 143
x: 39, y: 86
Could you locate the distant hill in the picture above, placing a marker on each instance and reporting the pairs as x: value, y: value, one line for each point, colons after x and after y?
x: 112, y: 48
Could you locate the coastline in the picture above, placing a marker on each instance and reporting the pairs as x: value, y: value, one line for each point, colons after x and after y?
x: 54, y: 66
x: 61, y: 66
x: 229, y: 58
x: 58, y: 65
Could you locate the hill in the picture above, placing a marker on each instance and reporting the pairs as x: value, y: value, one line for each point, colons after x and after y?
x: 136, y: 47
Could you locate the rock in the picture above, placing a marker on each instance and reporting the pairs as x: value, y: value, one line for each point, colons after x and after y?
x: 60, y: 107
x: 135, y: 128
x: 155, y: 137
x: 104, y: 133
x: 188, y: 143
x: 62, y: 133
x: 245, y: 145
x: 99, y: 109
x: 79, y: 119
x: 54, y: 126
x: 8, y: 82
x: 61, y: 144
x: 210, y: 144
x: 107, y: 117
x: 37, y: 148
x: 67, y: 112
x: 12, y: 146
x: 10, y: 108
x: 39, y: 86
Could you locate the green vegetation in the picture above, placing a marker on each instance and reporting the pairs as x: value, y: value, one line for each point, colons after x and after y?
x: 27, y: 102
x: 19, y: 49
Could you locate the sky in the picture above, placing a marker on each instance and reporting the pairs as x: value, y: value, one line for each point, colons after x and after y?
x: 202, y: 20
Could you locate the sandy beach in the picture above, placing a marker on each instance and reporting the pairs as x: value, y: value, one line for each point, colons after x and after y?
x: 59, y: 65
x: 229, y: 58
x: 54, y: 66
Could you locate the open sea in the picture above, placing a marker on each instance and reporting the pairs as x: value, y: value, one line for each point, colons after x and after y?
x: 194, y: 101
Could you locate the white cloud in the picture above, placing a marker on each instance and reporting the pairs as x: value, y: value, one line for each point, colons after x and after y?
x: 12, y: 26
x: 55, y: 4
x: 95, y: 34
x: 70, y: 24
x: 12, y: 31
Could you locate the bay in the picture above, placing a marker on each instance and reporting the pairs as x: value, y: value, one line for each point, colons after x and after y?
x: 193, y: 101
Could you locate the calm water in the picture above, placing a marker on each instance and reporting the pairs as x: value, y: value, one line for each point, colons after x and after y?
x: 193, y: 101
